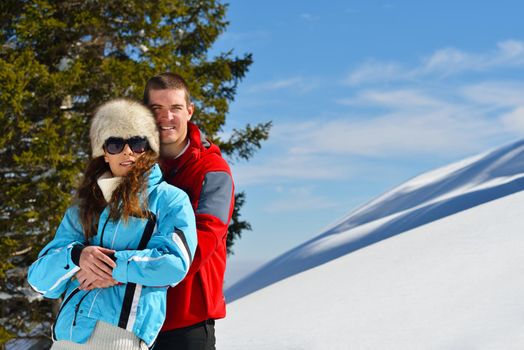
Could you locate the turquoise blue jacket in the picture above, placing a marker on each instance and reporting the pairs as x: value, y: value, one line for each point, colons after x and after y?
x: 151, y: 255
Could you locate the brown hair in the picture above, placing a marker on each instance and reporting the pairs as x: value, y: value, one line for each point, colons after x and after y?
x: 125, y: 201
x: 166, y: 81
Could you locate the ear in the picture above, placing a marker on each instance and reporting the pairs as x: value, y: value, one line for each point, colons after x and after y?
x: 190, y: 110
x: 106, y: 159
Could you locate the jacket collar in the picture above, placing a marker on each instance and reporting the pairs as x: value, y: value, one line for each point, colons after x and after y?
x: 155, y: 177
x: 108, y: 183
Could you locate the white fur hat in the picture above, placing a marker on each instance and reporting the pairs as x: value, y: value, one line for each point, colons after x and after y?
x: 122, y: 118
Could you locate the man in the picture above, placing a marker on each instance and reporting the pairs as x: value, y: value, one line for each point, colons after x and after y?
x: 192, y: 163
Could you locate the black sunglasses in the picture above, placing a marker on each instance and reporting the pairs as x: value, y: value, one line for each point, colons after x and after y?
x: 115, y: 145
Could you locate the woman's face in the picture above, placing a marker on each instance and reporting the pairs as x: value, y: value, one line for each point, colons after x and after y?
x: 122, y: 154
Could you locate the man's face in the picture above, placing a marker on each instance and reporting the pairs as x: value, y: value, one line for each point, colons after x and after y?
x: 172, y: 114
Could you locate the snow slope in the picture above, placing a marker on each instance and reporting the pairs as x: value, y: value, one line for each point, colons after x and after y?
x: 436, y: 263
x: 456, y: 283
x: 423, y: 199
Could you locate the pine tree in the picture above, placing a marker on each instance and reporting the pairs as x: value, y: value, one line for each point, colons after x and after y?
x: 60, y: 59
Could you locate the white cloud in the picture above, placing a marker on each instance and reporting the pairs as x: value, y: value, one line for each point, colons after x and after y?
x: 441, y: 63
x: 397, y: 135
x: 394, y: 98
x: 373, y: 71
x: 447, y: 61
x: 411, y: 123
x: 450, y: 60
x: 286, y: 167
x: 514, y: 120
x: 497, y: 94
x: 415, y: 120
x: 509, y: 52
x: 296, y: 83
x: 455, y: 121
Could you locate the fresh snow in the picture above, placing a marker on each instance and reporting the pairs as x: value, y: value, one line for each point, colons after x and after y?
x: 436, y: 263
x: 422, y: 200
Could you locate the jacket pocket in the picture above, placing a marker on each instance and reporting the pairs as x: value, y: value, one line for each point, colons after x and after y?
x: 70, y: 322
x: 104, y: 304
x: 60, y: 320
x: 64, y: 317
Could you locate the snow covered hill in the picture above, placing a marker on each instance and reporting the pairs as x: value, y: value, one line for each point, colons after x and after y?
x: 436, y: 263
x: 423, y: 199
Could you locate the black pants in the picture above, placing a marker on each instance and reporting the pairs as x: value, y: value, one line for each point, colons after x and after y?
x: 200, y: 336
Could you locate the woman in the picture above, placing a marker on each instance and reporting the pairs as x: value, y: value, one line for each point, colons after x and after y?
x: 128, y: 237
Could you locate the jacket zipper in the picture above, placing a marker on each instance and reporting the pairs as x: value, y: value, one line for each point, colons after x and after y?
x: 77, y: 307
x: 67, y: 299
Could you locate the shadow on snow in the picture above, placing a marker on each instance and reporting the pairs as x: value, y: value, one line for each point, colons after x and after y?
x: 408, y: 206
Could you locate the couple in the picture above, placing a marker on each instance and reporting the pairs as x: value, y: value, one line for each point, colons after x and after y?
x: 130, y: 235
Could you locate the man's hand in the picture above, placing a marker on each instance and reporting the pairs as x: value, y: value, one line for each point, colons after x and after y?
x: 89, y: 281
x: 94, y: 260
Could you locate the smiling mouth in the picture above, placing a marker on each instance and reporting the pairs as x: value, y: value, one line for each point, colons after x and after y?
x: 127, y: 163
x: 167, y: 128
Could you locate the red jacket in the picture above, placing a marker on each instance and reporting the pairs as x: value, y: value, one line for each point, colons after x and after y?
x: 205, y: 176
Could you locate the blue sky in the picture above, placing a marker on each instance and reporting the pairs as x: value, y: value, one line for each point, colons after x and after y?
x: 363, y: 96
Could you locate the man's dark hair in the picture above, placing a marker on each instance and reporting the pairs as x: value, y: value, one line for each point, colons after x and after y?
x: 166, y: 81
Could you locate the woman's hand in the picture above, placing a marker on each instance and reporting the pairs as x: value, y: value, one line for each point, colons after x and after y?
x: 95, y: 260
x: 89, y: 281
